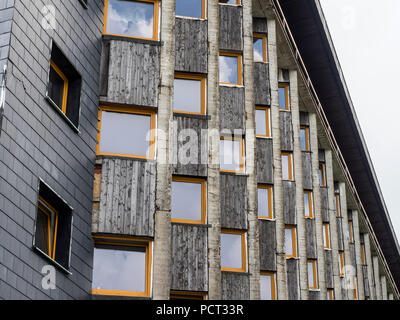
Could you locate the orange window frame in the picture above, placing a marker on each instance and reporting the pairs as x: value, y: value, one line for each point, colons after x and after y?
x: 187, y: 295
x: 241, y: 153
x: 270, y: 201
x: 130, y: 110
x: 43, y: 208
x: 286, y: 87
x: 66, y: 86
x: 294, y: 242
x: 155, y: 20
x: 267, y: 121
x: 355, y: 295
x: 351, y: 235
x: 341, y: 263
x: 330, y: 294
x: 239, y: 62
x: 243, y: 247
x: 290, y: 164
x: 323, y: 174
x: 338, y: 207
x: 203, y: 199
x: 202, y: 78
x: 310, y: 205
x: 264, y: 40
x: 307, y: 136
x: 327, y: 238
x: 273, y: 282
x: 313, y: 286
x: 203, y: 11
x: 130, y: 242
x: 363, y: 254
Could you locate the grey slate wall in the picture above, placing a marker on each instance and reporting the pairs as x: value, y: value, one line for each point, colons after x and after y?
x: 6, y: 15
x: 37, y: 142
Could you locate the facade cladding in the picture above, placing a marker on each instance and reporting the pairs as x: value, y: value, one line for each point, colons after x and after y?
x: 176, y: 150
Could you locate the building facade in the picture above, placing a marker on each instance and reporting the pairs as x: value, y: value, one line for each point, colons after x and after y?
x: 176, y: 149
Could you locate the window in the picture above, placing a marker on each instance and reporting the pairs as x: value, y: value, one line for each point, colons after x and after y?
x: 231, y: 154
x: 267, y: 286
x: 304, y: 138
x: 337, y: 205
x: 290, y: 242
x: 312, y: 274
x: 341, y: 263
x: 53, y: 225
x: 262, y: 122
x: 265, y: 210
x: 135, y: 19
x: 287, y: 166
x: 188, y: 200
x: 187, y: 295
x: 230, y: 1
x: 330, y: 294
x: 58, y: 87
x: 189, y: 94
x: 191, y: 8
x: 121, y: 266
x: 351, y: 235
x: 283, y: 95
x: 322, y: 174
x: 355, y: 295
x: 233, y: 250
x: 127, y: 132
x: 308, y: 204
x: 260, y: 47
x: 327, y: 238
x: 363, y: 255
x: 230, y: 68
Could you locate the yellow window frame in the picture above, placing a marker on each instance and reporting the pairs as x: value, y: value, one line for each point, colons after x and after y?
x: 273, y: 282
x: 290, y: 164
x: 327, y: 238
x: 264, y: 40
x: 363, y: 254
x: 286, y: 87
x: 341, y: 263
x: 267, y: 121
x: 155, y: 20
x: 307, y: 137
x: 130, y: 110
x: 130, y: 242
x: 65, y: 89
x: 187, y: 295
x: 310, y: 214
x: 294, y: 242
x: 313, y: 286
x: 197, y: 77
x: 270, y: 201
x: 330, y: 294
x: 351, y: 235
x: 239, y: 62
x: 241, y: 153
x: 43, y: 208
x: 243, y: 253
x: 322, y: 169
x: 338, y: 206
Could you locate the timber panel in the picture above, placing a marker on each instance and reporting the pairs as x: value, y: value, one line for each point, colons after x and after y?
x: 235, y: 286
x: 262, y: 94
x: 292, y: 279
x: 311, y: 245
x: 230, y: 28
x: 352, y: 248
x: 313, y: 295
x: 289, y: 202
x: 286, y: 131
x: 323, y: 191
x: 264, y: 156
x: 231, y: 108
x: 366, y: 281
x: 267, y: 245
x: 307, y: 170
x: 329, y: 269
x: 260, y: 25
x: 340, y: 233
x: 304, y: 119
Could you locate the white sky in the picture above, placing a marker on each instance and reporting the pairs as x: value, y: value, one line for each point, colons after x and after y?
x: 367, y: 41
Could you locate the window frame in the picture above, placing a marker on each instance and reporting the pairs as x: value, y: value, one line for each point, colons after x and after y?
x: 241, y: 153
x: 187, y: 295
x: 63, y: 107
x: 294, y: 243
x: 286, y: 87
x: 363, y: 254
x: 203, y: 12
x: 267, y: 121
x: 290, y: 165
x: 243, y: 269
x: 239, y: 62
x: 327, y: 235
x: 238, y: 3
x: 203, y: 199
x: 262, y: 36
x: 197, y: 77
x: 273, y: 282
x: 351, y: 231
x: 307, y: 134
x: 43, y: 206
x: 315, y: 285
x: 330, y: 294
x: 129, y: 242
x: 341, y: 263
x: 322, y: 169
x: 129, y: 110
x: 270, y: 201
x: 156, y: 12
x: 310, y: 205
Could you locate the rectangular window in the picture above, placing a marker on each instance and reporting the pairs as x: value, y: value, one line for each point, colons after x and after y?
x: 341, y: 263
x: 187, y: 295
x: 122, y: 267
x: 290, y: 242
x: 188, y: 200
x: 132, y: 18
x: 327, y: 238
x: 287, y: 166
x: 322, y: 174
x: 262, y: 122
x: 363, y: 255
x: 265, y: 195
x: 189, y: 93
x: 58, y: 87
x: 267, y: 286
x: 232, y: 154
x: 312, y: 274
x: 260, y: 47
x: 233, y: 250
x: 304, y: 138
x: 351, y: 234
x: 127, y: 132
x: 46, y: 228
x: 283, y: 95
x: 191, y: 8
x: 230, y: 1
x: 230, y: 68
x: 337, y: 205
x: 330, y: 295
x: 308, y: 204
x: 355, y: 295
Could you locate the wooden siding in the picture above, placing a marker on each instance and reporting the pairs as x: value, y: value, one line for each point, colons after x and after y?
x: 352, y: 248
x: 286, y: 131
x: 307, y: 170
x: 231, y: 108
x: 262, y: 94
x: 321, y: 156
x: 304, y: 118
x: 313, y: 295
x: 235, y: 286
x: 292, y: 279
x: 324, y: 204
x: 264, y: 157
x: 340, y: 233
x: 367, y: 291
x: 329, y: 269
x: 289, y: 202
x: 267, y: 245
x: 104, y: 67
x: 230, y: 28
x: 260, y: 25
x: 311, y: 245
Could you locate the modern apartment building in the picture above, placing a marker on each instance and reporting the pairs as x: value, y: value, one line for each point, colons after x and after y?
x: 184, y: 149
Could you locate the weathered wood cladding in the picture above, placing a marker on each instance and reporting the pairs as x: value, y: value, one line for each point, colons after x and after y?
x: 235, y: 286
x: 367, y: 291
x: 233, y: 195
x: 286, y: 131
x: 321, y: 156
x: 127, y: 198
x: 267, y: 231
x: 292, y: 279
x: 307, y: 170
x: 260, y: 25
x: 231, y: 108
x: 265, y: 160
x: 340, y: 233
x: 134, y: 73
x: 323, y: 191
x: 352, y: 248
x: 191, y: 45
x: 311, y: 245
x: 104, y: 67
x: 230, y: 28
x: 190, y: 156
x: 189, y: 258
x: 329, y: 269
x: 262, y: 93
x: 289, y: 202
x: 304, y: 118
x: 313, y: 295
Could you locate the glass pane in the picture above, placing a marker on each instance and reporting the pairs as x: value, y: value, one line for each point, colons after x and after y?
x: 261, y: 122
x: 282, y: 98
x: 228, y: 1
x: 187, y: 95
x: 119, y: 270
x: 289, y: 242
x: 130, y: 18
x: 186, y: 200
x: 307, y: 212
x: 231, y: 250
x: 303, y: 139
x: 189, y: 8
x: 56, y: 88
x: 42, y: 231
x: 310, y: 266
x: 263, y: 203
x: 230, y: 155
x: 266, y: 287
x: 258, y: 49
x: 285, y: 167
x: 125, y: 133
x: 228, y: 69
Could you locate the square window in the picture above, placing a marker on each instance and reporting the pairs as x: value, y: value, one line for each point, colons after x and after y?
x: 127, y: 132
x: 267, y: 286
x: 231, y: 154
x: 290, y: 242
x: 312, y: 274
x: 260, y: 47
x: 308, y: 204
x: 304, y: 139
x: 191, y: 8
x: 263, y: 122
x: 190, y: 94
x: 230, y: 68
x: 233, y: 250
x: 188, y: 200
x: 265, y: 210
x: 287, y: 166
x: 136, y: 19
x: 283, y: 96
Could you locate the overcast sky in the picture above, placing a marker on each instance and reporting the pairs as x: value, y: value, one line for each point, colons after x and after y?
x: 367, y: 41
